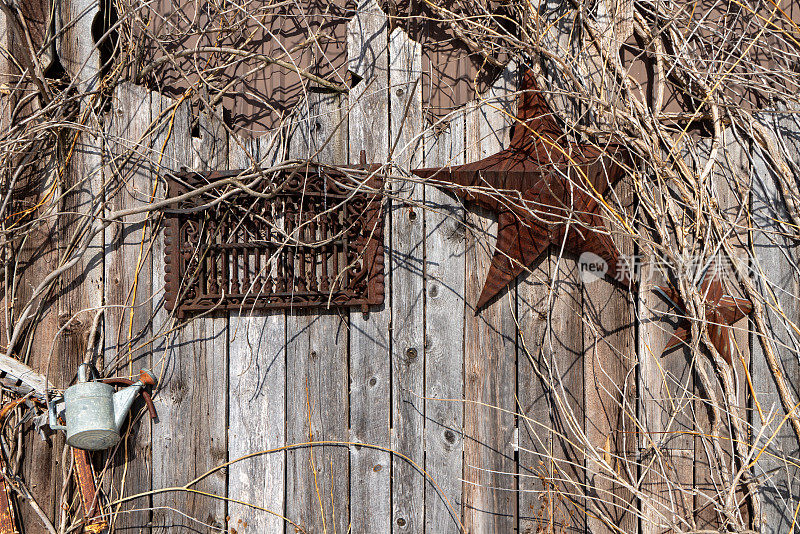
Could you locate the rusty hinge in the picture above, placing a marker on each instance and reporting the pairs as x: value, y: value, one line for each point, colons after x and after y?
x: 307, y: 236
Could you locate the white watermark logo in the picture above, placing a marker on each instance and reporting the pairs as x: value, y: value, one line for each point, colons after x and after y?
x: 591, y: 267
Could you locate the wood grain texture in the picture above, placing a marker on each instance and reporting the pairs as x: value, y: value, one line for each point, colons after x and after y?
x: 317, y: 478
x: 130, y: 178
x: 37, y: 255
x: 191, y: 435
x: 76, y: 47
x: 775, y: 276
x: 550, y: 345
x: 490, y: 503
x: 535, y: 400
x: 173, y: 138
x: 370, y: 373
x: 36, y: 252
x: 406, y: 257
x: 368, y: 60
x: 666, y: 383
x: 730, y: 187
x: 609, y: 359
x: 257, y: 400
x: 668, y: 503
x: 558, y: 20
x: 564, y: 349
x: 80, y: 292
x: 666, y: 397
x: 444, y: 333
x: 257, y: 420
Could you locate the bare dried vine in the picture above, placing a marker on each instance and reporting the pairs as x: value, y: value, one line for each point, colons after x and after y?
x: 702, y: 95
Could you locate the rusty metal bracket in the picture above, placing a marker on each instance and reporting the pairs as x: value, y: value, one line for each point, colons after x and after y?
x: 125, y: 382
x: 309, y: 236
x: 8, y: 520
x: 90, y: 500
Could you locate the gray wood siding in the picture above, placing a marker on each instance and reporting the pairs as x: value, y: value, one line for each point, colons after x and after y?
x: 420, y: 415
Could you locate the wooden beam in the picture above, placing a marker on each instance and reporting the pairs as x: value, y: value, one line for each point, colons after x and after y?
x: 444, y: 338
x: 370, y: 372
x: 317, y: 478
x: 406, y: 260
x: 193, y: 382
x: 490, y: 501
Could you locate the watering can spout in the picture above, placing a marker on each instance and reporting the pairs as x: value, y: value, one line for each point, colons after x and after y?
x: 123, y: 399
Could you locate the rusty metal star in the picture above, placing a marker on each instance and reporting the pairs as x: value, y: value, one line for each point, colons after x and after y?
x: 721, y: 312
x: 538, y: 187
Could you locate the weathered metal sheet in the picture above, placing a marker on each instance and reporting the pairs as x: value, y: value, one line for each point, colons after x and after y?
x: 722, y: 312
x: 536, y: 186
x: 310, y: 36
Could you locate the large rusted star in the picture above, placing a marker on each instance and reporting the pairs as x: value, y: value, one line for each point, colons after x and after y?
x: 539, y: 187
x: 722, y: 312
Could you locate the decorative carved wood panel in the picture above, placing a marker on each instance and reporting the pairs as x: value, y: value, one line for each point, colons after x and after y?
x: 310, y: 237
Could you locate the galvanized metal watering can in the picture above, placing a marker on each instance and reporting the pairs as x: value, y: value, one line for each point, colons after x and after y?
x: 93, y: 411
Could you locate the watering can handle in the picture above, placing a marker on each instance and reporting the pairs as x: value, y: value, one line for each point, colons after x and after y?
x: 53, y: 417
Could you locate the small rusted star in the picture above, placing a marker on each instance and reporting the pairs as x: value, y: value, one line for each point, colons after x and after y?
x: 721, y: 312
x: 538, y: 187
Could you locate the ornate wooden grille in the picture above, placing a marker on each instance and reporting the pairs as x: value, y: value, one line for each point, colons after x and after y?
x: 311, y: 237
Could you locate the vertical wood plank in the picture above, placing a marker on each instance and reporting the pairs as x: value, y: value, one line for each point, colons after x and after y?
x: 776, y: 278
x: 77, y: 49
x: 37, y: 257
x: 550, y: 353
x: 257, y: 420
x: 534, y: 394
x: 317, y: 482
x: 729, y: 183
x: 257, y: 401
x: 444, y: 336
x: 193, y: 393
x: 128, y: 266
x: 36, y: 252
x: 173, y: 140
x: 609, y: 354
x: 564, y: 351
x: 407, y: 285
x: 667, y: 398
x: 666, y: 395
x: 81, y: 288
x: 370, y: 377
x: 556, y: 22
x: 490, y: 502
x: 667, y: 479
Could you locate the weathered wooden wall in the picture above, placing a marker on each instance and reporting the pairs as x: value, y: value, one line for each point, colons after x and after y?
x: 457, y: 397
